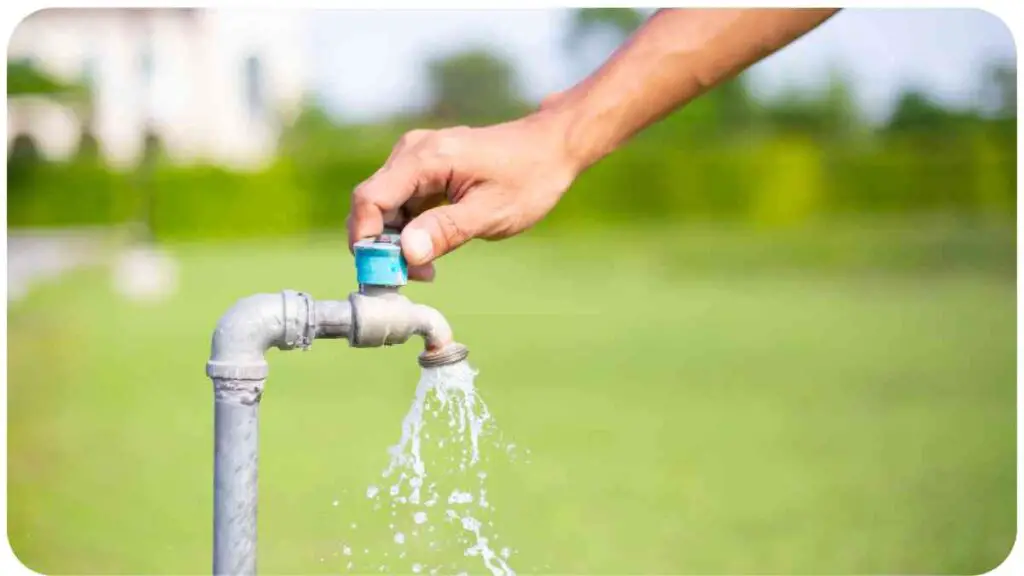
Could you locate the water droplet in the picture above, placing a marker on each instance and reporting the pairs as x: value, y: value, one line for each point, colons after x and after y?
x: 419, y: 517
x: 346, y: 551
x: 372, y: 492
x: 335, y: 503
x: 458, y: 497
x: 399, y: 538
x: 416, y: 568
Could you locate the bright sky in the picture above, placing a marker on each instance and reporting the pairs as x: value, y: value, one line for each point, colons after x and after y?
x: 369, y: 63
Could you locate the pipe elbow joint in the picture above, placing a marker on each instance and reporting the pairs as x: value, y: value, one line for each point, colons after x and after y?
x: 255, y: 324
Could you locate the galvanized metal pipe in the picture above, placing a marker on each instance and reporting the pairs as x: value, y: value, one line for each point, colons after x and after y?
x: 235, y: 475
x: 237, y: 366
x: 239, y: 370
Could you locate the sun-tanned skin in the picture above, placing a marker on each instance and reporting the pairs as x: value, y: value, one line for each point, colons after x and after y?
x: 446, y: 187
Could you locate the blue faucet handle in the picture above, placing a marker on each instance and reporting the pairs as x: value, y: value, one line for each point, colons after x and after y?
x: 379, y: 261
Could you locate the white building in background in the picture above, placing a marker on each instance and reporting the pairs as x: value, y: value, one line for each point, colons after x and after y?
x: 213, y: 85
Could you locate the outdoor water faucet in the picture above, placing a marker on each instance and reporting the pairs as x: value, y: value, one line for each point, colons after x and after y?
x: 383, y: 317
x: 376, y: 315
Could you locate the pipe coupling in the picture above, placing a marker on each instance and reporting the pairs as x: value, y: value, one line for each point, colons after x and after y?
x: 300, y: 320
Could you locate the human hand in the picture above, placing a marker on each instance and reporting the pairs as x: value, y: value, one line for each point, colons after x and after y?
x: 498, y: 181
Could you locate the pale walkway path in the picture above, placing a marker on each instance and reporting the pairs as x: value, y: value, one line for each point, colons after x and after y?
x: 38, y: 256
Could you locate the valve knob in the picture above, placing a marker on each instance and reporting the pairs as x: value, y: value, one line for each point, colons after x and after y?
x: 379, y: 261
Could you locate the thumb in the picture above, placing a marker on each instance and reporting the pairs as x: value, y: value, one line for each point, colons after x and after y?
x: 440, y: 230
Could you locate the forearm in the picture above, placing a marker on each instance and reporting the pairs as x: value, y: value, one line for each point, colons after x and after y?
x: 676, y: 56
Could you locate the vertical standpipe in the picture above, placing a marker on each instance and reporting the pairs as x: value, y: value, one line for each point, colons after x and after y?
x: 236, y: 465
x: 376, y: 315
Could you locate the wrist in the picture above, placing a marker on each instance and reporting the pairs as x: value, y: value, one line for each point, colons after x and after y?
x: 578, y: 140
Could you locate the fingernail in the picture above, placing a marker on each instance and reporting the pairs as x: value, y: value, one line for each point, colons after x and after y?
x: 417, y: 245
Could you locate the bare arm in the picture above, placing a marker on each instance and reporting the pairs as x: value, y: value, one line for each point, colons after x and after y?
x: 501, y: 180
x: 676, y: 56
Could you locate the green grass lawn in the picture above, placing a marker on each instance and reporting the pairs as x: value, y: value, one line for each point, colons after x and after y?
x: 776, y: 421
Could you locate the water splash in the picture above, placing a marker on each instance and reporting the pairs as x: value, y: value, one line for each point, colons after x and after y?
x: 437, y: 497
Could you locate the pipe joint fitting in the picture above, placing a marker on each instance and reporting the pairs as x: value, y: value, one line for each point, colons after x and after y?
x: 255, y: 324
x: 299, y: 320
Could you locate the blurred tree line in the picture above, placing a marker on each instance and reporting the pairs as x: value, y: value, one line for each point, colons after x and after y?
x: 793, y: 158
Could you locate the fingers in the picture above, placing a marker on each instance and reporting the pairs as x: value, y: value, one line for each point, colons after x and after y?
x: 380, y: 197
x: 440, y: 230
x: 411, y: 185
x: 422, y: 273
x: 377, y: 200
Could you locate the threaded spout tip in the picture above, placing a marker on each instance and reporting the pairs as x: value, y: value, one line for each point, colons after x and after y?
x: 450, y: 354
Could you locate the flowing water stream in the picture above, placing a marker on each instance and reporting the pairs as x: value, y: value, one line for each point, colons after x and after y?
x: 433, y: 492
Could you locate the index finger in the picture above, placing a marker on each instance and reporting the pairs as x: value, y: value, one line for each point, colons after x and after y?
x: 381, y: 196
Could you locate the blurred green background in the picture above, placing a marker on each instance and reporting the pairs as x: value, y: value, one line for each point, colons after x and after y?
x: 764, y: 337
